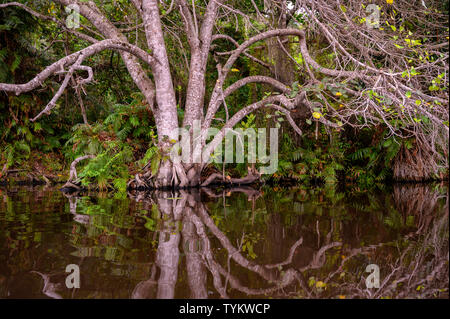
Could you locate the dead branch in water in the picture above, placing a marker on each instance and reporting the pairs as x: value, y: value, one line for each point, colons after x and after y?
x: 71, y: 182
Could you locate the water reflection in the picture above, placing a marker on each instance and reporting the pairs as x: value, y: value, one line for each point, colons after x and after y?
x: 236, y: 243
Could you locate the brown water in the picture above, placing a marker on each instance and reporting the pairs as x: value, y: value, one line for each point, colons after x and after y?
x: 240, y: 243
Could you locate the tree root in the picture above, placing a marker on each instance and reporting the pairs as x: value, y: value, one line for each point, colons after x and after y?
x: 177, y: 176
x: 252, y: 177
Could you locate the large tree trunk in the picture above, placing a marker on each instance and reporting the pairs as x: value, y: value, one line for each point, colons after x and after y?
x: 166, y: 117
x: 200, y: 42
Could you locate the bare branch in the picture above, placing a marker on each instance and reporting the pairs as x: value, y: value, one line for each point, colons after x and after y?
x: 75, y: 60
x: 52, y: 103
x: 213, y: 104
x: 227, y: 37
x: 256, y: 79
x: 268, y: 102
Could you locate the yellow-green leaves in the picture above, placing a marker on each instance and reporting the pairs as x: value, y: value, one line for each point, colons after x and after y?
x: 409, y: 73
x: 412, y: 42
x: 320, y: 284
x: 413, y: 71
x: 316, y: 115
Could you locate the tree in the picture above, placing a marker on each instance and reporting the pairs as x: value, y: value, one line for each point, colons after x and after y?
x: 381, y: 82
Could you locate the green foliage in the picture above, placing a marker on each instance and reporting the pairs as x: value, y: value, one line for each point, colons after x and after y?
x: 15, y: 152
x: 373, y: 163
x: 336, y: 156
x: 109, y: 164
x: 21, y: 58
x: 119, y: 142
x: 314, y: 160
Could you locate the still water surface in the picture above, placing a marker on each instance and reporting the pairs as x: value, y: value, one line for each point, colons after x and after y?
x: 238, y: 243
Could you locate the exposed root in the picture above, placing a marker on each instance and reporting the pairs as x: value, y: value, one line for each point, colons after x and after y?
x: 252, y: 177
x: 175, y: 176
x: 179, y: 174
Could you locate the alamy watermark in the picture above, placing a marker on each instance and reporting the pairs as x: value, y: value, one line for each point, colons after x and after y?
x: 373, y: 280
x: 189, y: 148
x: 73, y: 17
x: 373, y: 20
x: 73, y: 279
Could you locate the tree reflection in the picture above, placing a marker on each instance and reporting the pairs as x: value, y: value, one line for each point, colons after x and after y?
x: 237, y: 243
x: 414, y: 268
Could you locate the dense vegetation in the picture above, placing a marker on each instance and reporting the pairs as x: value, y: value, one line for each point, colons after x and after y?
x: 113, y: 120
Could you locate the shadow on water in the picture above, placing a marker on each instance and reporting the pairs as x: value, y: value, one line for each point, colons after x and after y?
x: 236, y: 243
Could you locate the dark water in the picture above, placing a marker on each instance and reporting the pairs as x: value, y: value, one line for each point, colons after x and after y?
x: 240, y: 243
